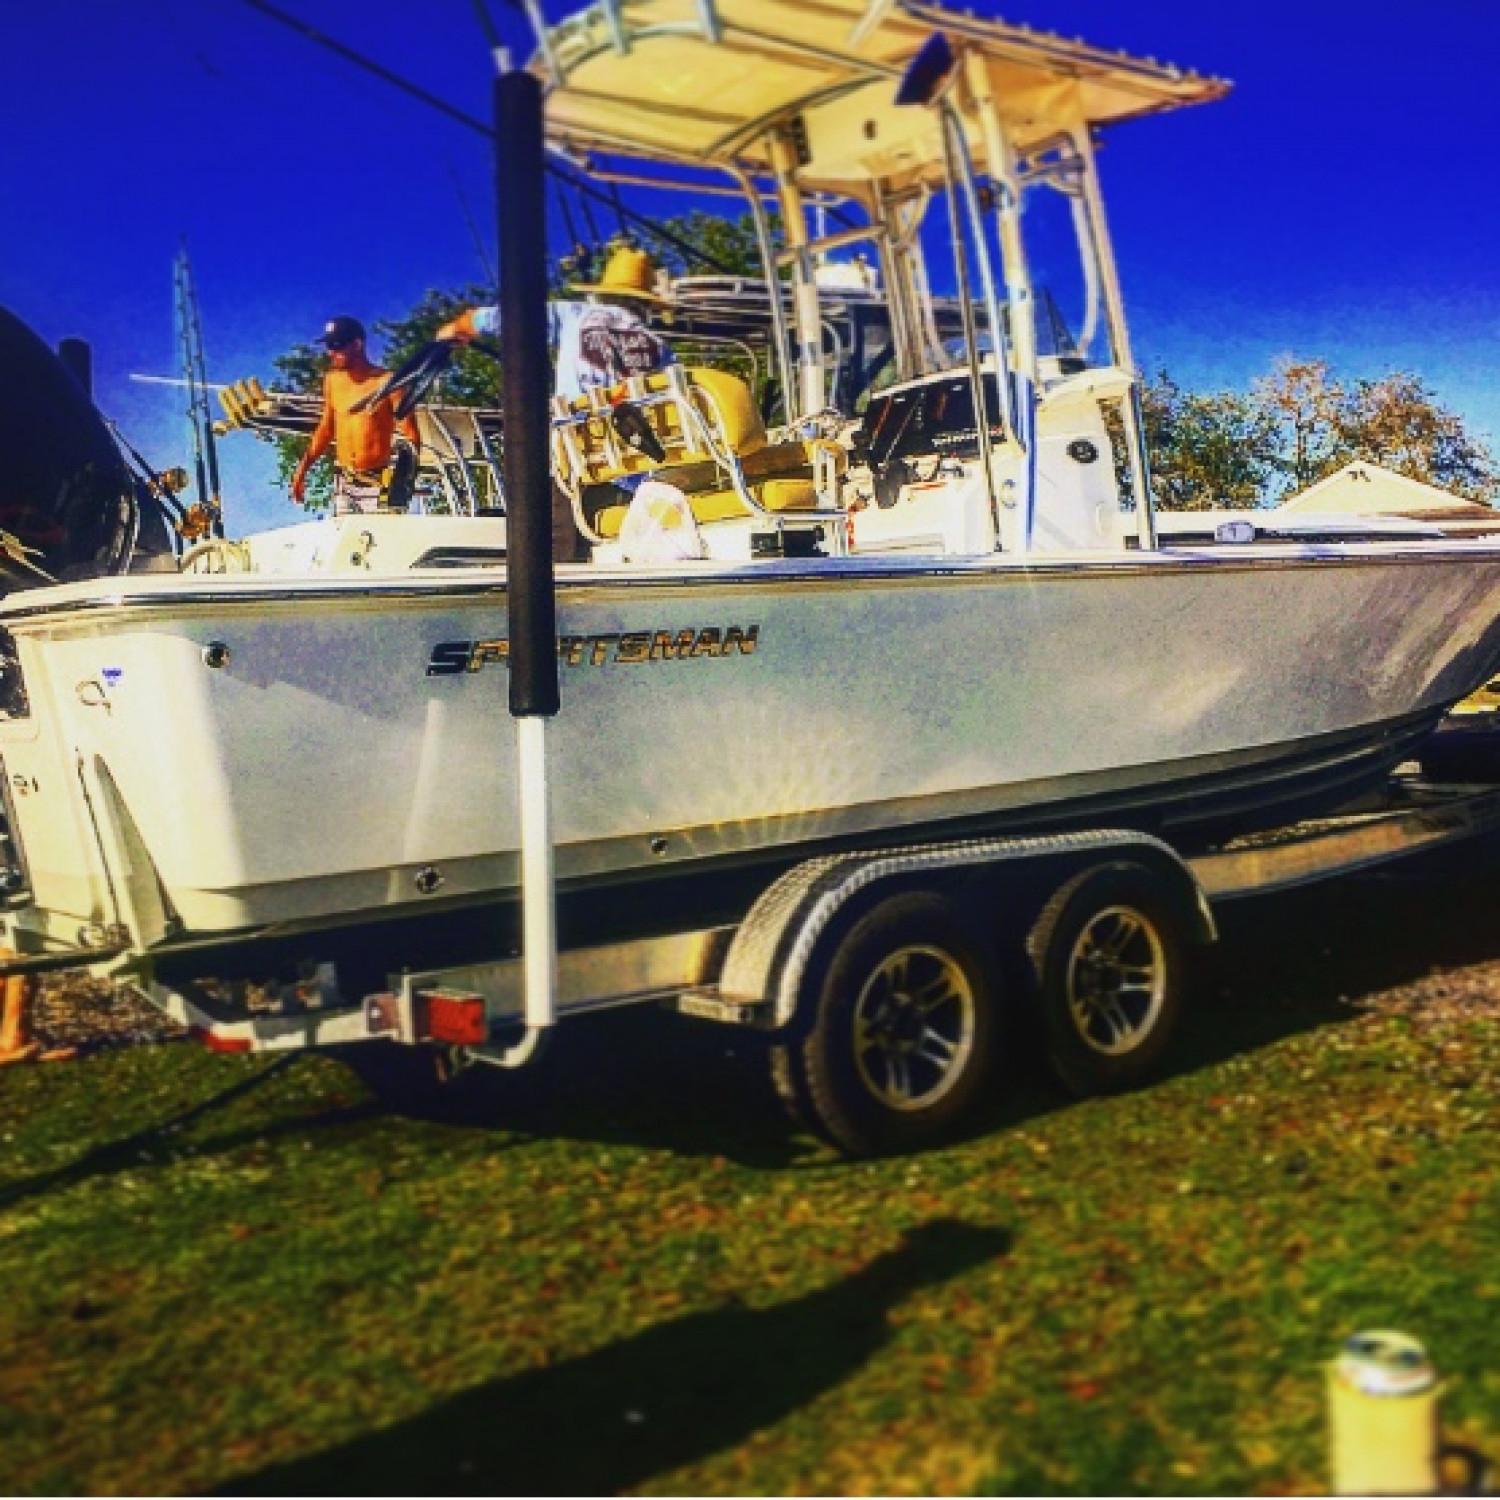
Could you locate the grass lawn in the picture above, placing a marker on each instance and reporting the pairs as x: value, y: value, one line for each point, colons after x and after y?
x: 624, y: 1272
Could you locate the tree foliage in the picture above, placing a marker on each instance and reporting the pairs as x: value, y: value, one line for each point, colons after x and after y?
x: 1299, y: 424
x: 1209, y: 450
x: 730, y: 242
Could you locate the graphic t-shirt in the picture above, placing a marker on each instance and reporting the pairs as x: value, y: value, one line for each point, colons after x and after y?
x: 597, y: 344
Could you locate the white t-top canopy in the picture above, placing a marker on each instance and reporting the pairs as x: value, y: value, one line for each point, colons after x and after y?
x: 703, y: 80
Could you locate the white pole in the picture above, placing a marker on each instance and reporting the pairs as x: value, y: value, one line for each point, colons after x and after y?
x: 1021, y: 345
x: 538, y: 898
x: 813, y: 395
x: 1001, y: 162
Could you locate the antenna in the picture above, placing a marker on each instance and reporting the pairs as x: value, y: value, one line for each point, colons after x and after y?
x: 195, y: 371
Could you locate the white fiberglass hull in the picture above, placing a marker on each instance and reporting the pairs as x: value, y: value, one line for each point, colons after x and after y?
x: 708, y: 714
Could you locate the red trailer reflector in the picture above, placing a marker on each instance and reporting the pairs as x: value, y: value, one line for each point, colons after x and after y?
x: 216, y: 1043
x: 456, y: 1017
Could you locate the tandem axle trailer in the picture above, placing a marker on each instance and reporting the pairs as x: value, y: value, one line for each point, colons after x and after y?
x: 882, y: 979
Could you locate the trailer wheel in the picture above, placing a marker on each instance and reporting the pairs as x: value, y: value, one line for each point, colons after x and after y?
x: 898, y: 1037
x: 1109, y: 956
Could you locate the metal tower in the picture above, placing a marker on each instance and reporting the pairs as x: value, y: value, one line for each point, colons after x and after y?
x: 195, y: 370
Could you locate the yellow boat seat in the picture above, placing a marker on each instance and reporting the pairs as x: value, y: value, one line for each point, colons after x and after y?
x: 587, y: 451
x: 777, y: 495
x: 793, y: 460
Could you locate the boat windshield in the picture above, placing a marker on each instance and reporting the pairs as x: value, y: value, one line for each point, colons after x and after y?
x: 65, y: 493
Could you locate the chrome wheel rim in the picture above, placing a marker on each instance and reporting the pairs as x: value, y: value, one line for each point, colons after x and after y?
x: 1117, y: 980
x: 914, y: 1027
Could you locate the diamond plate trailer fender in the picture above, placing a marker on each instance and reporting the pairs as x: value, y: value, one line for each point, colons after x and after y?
x: 769, y: 956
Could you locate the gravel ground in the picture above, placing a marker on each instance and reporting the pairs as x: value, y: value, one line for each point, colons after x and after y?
x: 80, y: 1012
x: 1470, y: 993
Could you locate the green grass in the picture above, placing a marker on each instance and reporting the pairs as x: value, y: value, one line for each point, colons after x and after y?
x: 623, y: 1272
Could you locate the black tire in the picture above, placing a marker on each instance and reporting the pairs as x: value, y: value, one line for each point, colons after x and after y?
x: 904, y: 1005
x: 422, y: 1082
x: 1109, y: 957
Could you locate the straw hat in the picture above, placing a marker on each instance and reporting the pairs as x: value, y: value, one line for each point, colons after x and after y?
x: 627, y: 273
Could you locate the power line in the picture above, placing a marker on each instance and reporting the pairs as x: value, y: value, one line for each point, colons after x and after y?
x: 579, y: 185
x: 368, y: 64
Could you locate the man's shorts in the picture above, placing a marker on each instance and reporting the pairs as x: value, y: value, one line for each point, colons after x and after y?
x: 356, y: 492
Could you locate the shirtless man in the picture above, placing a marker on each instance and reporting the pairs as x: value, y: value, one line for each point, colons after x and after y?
x: 361, y: 441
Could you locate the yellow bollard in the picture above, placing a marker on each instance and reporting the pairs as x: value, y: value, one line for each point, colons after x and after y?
x: 1382, y: 1414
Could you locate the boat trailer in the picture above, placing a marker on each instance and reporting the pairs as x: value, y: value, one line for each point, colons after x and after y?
x: 882, y: 980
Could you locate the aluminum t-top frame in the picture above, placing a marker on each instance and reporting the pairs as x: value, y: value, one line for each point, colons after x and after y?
x: 796, y: 100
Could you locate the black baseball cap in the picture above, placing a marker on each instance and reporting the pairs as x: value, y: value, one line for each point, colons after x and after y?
x: 339, y: 332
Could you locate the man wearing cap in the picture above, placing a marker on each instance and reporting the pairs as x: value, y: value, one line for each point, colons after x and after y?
x: 598, y: 342
x: 362, y: 441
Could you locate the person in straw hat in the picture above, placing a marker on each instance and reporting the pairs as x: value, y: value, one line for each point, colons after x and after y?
x: 597, y: 342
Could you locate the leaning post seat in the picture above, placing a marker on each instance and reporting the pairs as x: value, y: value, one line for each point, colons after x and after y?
x: 713, y: 444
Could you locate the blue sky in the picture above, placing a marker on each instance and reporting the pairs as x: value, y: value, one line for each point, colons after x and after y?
x: 1341, y: 203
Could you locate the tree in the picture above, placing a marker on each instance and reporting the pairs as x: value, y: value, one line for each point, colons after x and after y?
x: 1299, y: 424
x: 731, y: 242
x: 1207, y: 451
x: 1397, y: 422
x: 1304, y: 402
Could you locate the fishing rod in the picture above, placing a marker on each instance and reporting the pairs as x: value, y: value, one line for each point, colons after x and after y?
x: 595, y: 238
x: 619, y: 207
x: 161, y: 490
x: 490, y: 276
x: 408, y: 385
x: 580, y: 185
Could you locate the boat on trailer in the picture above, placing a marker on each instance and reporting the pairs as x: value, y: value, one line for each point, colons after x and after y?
x: 945, y: 620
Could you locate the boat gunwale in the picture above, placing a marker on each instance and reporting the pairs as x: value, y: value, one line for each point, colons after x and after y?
x: 160, y: 591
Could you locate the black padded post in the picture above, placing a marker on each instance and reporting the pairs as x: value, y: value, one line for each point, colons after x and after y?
x: 525, y: 392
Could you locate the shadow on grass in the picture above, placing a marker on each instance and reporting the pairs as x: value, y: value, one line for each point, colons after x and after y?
x: 644, y: 1078
x: 127, y: 1153
x: 674, y: 1394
